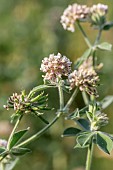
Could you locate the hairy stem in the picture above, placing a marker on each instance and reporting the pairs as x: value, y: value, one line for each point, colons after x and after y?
x: 2, y: 166
x: 84, y: 35
x: 89, y: 156
x: 61, y: 97
x: 71, y: 99
x: 13, y: 131
x: 98, y: 37
x: 41, y: 132
x: 85, y: 98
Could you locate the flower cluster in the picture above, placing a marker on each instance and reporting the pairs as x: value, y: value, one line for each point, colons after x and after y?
x: 98, y: 13
x: 100, y: 119
x: 55, y: 67
x: 3, y: 143
x: 17, y: 102
x: 23, y: 103
x: 95, y: 14
x: 85, y: 78
x: 72, y: 13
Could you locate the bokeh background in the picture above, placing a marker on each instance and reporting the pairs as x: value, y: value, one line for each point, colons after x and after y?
x: 29, y: 31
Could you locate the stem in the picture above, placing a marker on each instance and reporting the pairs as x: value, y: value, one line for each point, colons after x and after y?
x: 13, y: 131
x: 85, y: 36
x: 2, y: 166
x: 89, y: 156
x: 98, y: 37
x: 41, y: 132
x: 71, y: 99
x: 85, y: 98
x: 37, y: 135
x: 61, y: 97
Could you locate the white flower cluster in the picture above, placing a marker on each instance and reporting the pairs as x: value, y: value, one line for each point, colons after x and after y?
x: 95, y: 15
x: 71, y: 14
x: 100, y: 119
x: 55, y: 67
x: 3, y: 143
x: 99, y: 9
x: 85, y: 78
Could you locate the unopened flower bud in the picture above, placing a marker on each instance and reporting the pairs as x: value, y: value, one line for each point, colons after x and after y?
x: 98, y: 14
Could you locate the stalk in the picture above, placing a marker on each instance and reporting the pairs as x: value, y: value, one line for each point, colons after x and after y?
x: 71, y: 99
x: 84, y: 35
x: 41, y: 132
x: 89, y: 156
x: 13, y: 131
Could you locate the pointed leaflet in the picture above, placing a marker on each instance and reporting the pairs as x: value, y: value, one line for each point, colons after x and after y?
x: 105, y: 46
x: 79, y: 146
x: 71, y: 132
x: 106, y: 101
x: 84, y: 138
x: 107, y: 26
x: 20, y: 151
x: 17, y: 136
x: 104, y: 142
x: 39, y: 88
x: 84, y: 123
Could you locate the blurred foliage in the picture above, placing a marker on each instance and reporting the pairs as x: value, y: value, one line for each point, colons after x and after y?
x: 29, y: 31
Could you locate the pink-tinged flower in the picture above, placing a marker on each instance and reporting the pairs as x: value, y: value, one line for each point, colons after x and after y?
x: 99, y: 9
x: 98, y: 14
x: 100, y: 119
x: 17, y: 102
x: 85, y: 78
x: 72, y: 13
x: 3, y: 143
x: 55, y: 67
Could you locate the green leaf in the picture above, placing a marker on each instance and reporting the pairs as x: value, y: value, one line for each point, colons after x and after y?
x: 106, y: 102
x: 20, y: 151
x: 83, y: 58
x: 104, y: 142
x: 2, y: 150
x: 71, y: 132
x: 105, y: 46
x: 44, y: 120
x: 84, y: 138
x: 77, y: 113
x: 17, y: 136
x: 79, y: 146
x: 84, y: 124
x: 107, y: 26
x: 39, y: 88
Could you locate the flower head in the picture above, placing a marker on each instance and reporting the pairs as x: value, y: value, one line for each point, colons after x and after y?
x: 73, y: 13
x: 17, y: 102
x: 100, y: 119
x: 85, y: 78
x: 55, y: 67
x: 3, y: 143
x: 98, y: 14
x: 22, y: 103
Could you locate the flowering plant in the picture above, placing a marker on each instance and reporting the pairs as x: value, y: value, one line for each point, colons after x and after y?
x: 58, y: 74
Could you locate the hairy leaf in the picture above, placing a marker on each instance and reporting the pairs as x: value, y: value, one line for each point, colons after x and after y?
x: 104, y: 142
x: 17, y: 136
x: 105, y: 46
x: 71, y: 132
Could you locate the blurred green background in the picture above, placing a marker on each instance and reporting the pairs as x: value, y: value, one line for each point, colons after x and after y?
x: 29, y: 31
